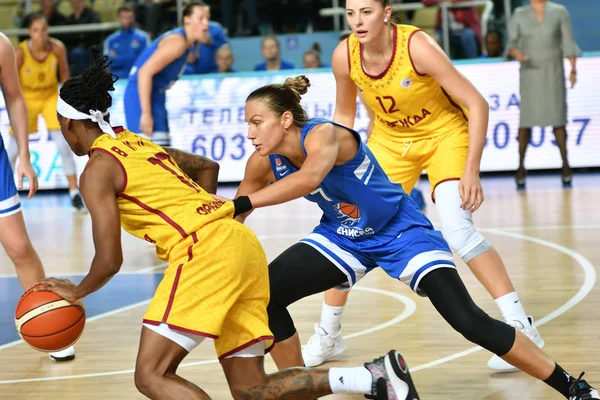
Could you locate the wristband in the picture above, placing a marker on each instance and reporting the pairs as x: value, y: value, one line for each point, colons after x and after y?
x: 242, y: 205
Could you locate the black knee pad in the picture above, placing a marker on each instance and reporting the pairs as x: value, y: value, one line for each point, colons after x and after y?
x: 280, y: 322
x: 478, y: 327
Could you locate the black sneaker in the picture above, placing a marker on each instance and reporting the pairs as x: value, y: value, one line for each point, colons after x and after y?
x: 581, y: 390
x: 77, y: 203
x: 391, y: 379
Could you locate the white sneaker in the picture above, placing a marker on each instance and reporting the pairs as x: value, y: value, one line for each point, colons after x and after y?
x: 322, y: 347
x: 499, y: 365
x: 67, y: 354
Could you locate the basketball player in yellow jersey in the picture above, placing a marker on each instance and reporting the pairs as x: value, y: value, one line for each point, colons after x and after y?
x: 41, y: 61
x: 217, y: 282
x: 428, y: 116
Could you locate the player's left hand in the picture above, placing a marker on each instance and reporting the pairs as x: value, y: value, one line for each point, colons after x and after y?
x: 471, y: 192
x: 25, y: 170
x: 62, y: 287
x: 573, y: 78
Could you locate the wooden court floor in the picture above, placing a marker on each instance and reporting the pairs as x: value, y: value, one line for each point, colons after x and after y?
x: 549, y: 239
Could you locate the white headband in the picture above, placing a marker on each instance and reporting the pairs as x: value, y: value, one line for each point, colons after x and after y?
x: 68, y: 111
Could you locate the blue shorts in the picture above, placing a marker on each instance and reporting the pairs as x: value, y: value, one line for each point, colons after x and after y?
x: 133, y: 109
x: 9, y: 197
x: 409, y: 257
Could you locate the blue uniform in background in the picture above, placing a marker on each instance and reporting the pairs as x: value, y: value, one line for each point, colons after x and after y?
x: 123, y: 48
x: 284, y: 65
x: 160, y: 83
x: 369, y: 221
x: 9, y: 197
x: 205, y: 62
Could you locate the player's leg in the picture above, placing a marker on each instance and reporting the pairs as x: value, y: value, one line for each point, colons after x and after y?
x: 160, y: 353
x: 327, y: 342
x: 311, y: 266
x: 445, y: 170
x: 161, y: 134
x: 384, y: 378
x: 13, y: 234
x: 451, y: 299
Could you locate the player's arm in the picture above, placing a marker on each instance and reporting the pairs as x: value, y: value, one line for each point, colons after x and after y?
x: 100, y: 183
x: 203, y: 170
x: 322, y: 148
x: 63, y: 65
x: 20, y: 57
x: 169, y: 49
x: 369, y: 113
x: 17, y: 111
x: 258, y: 175
x: 428, y: 58
x: 345, y: 88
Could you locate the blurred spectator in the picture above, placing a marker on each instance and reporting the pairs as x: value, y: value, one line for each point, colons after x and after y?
x: 202, y: 56
x: 78, y: 43
x: 270, y: 51
x: 50, y: 13
x: 493, y: 44
x: 540, y: 36
x: 224, y: 59
x: 312, y: 57
x: 230, y: 9
x: 464, y: 27
x: 158, y: 18
x: 125, y: 45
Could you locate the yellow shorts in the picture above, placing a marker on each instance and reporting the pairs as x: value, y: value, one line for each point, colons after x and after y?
x: 443, y: 157
x: 41, y: 103
x: 217, y: 286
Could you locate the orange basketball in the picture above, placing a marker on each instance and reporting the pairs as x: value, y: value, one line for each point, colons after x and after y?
x: 350, y: 210
x: 47, y: 322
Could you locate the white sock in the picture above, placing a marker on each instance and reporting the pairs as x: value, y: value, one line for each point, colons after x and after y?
x: 73, y: 192
x: 350, y: 380
x: 331, y: 318
x: 512, y: 309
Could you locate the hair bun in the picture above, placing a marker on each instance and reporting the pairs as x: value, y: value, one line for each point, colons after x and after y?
x: 299, y: 84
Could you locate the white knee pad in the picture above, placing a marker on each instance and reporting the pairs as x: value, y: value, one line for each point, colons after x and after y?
x: 66, y: 155
x: 457, y: 224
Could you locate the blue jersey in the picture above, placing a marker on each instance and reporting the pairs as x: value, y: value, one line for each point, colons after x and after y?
x: 165, y: 78
x: 123, y: 48
x: 357, y: 198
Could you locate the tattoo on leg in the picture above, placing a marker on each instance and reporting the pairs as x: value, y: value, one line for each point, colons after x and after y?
x: 291, y: 384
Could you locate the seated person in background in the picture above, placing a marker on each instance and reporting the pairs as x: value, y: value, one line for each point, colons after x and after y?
x: 224, y: 59
x: 312, y: 57
x: 78, y: 43
x: 464, y: 28
x: 493, y: 44
x: 50, y: 13
x: 125, y: 45
x: 202, y: 57
x: 270, y: 51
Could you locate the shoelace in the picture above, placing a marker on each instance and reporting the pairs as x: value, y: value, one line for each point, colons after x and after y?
x: 578, y: 386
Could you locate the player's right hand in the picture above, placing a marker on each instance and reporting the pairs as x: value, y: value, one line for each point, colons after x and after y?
x: 147, y: 124
x: 26, y: 170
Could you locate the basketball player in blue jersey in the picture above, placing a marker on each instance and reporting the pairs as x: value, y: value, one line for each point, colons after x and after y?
x: 368, y: 222
x: 156, y: 69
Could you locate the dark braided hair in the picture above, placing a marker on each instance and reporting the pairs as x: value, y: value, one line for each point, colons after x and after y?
x: 90, y: 90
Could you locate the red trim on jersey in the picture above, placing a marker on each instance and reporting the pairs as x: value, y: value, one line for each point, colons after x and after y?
x: 118, y: 129
x: 159, y: 213
x: 103, y: 150
x: 348, y: 54
x: 409, y: 56
x: 381, y: 75
x: 442, y: 181
x: 172, y: 295
x: 180, y: 329
x: 455, y: 104
x: 245, y: 346
x: 191, y: 247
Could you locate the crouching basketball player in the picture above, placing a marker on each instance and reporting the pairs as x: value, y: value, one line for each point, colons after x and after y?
x: 217, y: 282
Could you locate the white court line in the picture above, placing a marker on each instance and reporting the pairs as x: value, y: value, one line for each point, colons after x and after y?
x: 409, y: 309
x: 589, y: 282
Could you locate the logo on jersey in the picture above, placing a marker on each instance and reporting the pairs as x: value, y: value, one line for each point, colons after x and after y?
x: 348, y: 213
x: 406, y: 83
x: 207, y: 208
x: 281, y: 168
